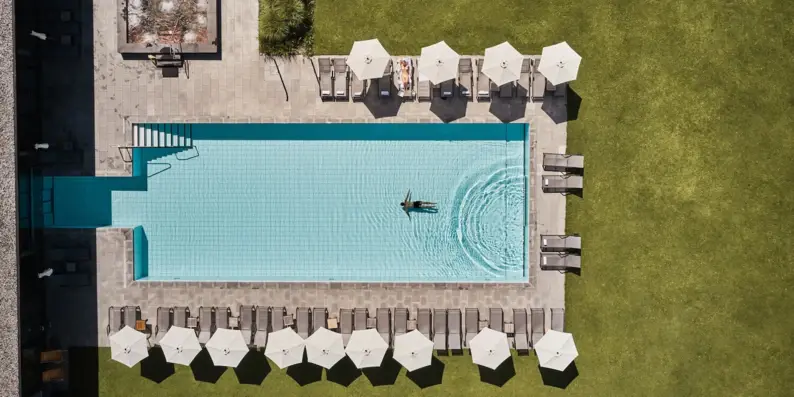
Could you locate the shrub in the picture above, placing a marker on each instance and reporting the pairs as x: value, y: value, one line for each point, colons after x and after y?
x: 285, y: 26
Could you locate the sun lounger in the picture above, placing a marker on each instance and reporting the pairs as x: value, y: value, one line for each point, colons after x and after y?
x: 563, y: 162
x: 206, y: 323
x: 383, y: 316
x: 446, y: 88
x: 277, y: 318
x: 385, y: 82
x: 164, y: 322
x: 538, y: 81
x: 423, y: 88
x: 538, y: 319
x: 222, y: 315
x: 561, y: 90
x: 340, y: 78
x: 520, y: 330
x: 454, y: 325
x: 472, y: 325
x: 131, y: 315
x: 560, y: 261
x: 246, y: 323
x: 483, y: 83
x: 400, y: 321
x: 358, y: 87
x: 496, y: 319
x: 319, y: 318
x: 560, y: 243
x: 558, y: 319
x: 506, y: 90
x: 423, y: 322
x: 302, y: 320
x: 564, y: 184
x: 465, y: 77
x: 345, y: 324
x: 360, y: 319
x: 524, y: 80
x: 115, y: 320
x: 181, y: 313
x: 326, y: 78
x: 440, y: 329
x: 404, y: 91
x: 262, y: 321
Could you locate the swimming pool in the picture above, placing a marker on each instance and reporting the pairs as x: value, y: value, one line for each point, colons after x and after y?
x: 320, y: 202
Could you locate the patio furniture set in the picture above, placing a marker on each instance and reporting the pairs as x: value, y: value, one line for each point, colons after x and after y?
x: 570, y: 179
x: 561, y: 252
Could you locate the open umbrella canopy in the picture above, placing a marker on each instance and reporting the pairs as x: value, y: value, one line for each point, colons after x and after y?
x: 180, y: 345
x: 556, y: 350
x: 285, y: 347
x: 438, y: 63
x: 366, y: 348
x: 368, y: 59
x: 559, y: 63
x: 227, y: 347
x: 128, y: 346
x: 502, y: 63
x: 413, y: 350
x: 489, y: 348
x: 325, y: 348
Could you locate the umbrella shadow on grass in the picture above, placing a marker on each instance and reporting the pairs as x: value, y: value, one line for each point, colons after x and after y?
x: 343, y: 373
x: 204, y: 370
x: 562, y: 110
x: 500, y: 375
x: 155, y: 367
x: 305, y: 372
x: 253, y: 369
x: 428, y: 376
x: 386, y: 374
x: 559, y: 379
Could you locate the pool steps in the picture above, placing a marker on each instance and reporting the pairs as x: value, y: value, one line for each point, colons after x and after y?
x: 162, y: 135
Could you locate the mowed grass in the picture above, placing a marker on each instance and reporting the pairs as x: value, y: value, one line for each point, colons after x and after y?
x: 687, y: 126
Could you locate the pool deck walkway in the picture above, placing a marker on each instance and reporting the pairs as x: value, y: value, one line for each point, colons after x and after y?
x: 243, y: 86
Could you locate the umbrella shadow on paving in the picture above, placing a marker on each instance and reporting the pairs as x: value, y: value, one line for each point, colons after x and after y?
x: 155, y: 367
x: 343, y: 373
x: 204, y: 370
x: 253, y: 369
x: 305, y: 372
x: 508, y: 110
x: 559, y: 379
x: 381, y: 107
x: 449, y: 110
x: 563, y: 109
x: 500, y: 375
x: 386, y: 374
x: 431, y: 375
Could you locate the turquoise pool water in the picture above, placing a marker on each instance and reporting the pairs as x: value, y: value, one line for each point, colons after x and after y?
x: 320, y: 202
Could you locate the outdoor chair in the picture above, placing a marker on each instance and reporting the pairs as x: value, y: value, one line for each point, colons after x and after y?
x: 564, y: 184
x: 496, y: 319
x: 423, y: 89
x: 360, y: 319
x: 524, y: 81
x: 181, y: 313
x: 560, y: 243
x: 325, y: 71
x: 277, y: 318
x: 164, y: 322
x: 440, y: 330
x: 465, y: 77
x: 131, y: 315
x: 115, y: 320
x: 520, y: 330
x: 358, y: 87
x: 483, y: 83
x: 538, y: 320
x: 385, y: 82
x: 472, y: 325
x: 454, y: 324
x: 303, y: 319
x: 558, y: 319
x: 222, y: 315
x: 262, y: 320
x: 560, y: 261
x: 400, y: 321
x: 383, y: 316
x: 538, y: 81
x: 319, y: 318
x: 340, y: 78
x: 247, y: 323
x: 345, y: 324
x: 423, y: 322
x: 573, y: 163
x: 206, y: 324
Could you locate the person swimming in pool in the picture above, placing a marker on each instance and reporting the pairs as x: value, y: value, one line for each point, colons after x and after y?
x: 408, y: 205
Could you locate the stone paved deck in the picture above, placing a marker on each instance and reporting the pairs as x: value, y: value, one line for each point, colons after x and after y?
x: 243, y: 86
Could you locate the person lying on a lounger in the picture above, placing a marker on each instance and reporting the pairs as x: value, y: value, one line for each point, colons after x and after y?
x: 405, y: 74
x: 408, y: 205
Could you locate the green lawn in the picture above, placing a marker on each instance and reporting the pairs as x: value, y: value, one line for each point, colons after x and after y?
x: 687, y: 125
